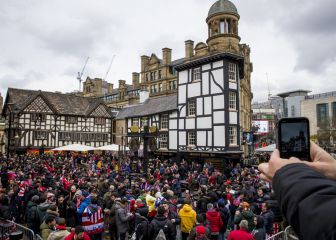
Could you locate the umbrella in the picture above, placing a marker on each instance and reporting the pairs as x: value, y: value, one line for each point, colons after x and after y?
x: 269, y: 148
x: 112, y: 147
x: 75, y: 147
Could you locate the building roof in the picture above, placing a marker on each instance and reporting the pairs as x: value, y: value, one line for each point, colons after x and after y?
x: 149, y: 107
x: 67, y: 104
x: 222, y: 6
x: 294, y: 93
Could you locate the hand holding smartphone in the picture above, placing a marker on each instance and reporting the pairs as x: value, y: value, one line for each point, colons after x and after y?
x: 293, y: 138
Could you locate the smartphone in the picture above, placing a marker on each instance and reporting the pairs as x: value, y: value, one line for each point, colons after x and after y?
x: 293, y: 138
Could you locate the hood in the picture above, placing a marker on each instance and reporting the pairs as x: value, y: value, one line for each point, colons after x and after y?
x: 212, y: 213
x: 54, y: 213
x: 187, y: 208
x: 43, y: 206
x: 31, y: 204
x: 247, y: 214
x: 160, y: 219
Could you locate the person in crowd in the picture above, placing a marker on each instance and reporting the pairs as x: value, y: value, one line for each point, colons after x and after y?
x: 60, y: 230
x: 32, y: 218
x: 52, y: 211
x: 122, y: 218
x: 225, y: 216
x: 162, y: 223
x: 215, y: 221
x: 93, y: 220
x: 268, y: 217
x: 5, y: 211
x: 141, y: 221
x: 259, y: 230
x: 242, y: 233
x: 244, y: 213
x: 78, y: 234
x: 46, y: 200
x: 47, y: 227
x: 200, y: 231
x: 188, y: 218
x: 301, y: 186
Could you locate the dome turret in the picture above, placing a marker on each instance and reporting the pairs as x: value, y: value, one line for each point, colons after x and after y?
x: 222, y: 6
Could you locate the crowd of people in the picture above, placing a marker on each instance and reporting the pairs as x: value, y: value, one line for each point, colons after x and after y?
x: 97, y: 196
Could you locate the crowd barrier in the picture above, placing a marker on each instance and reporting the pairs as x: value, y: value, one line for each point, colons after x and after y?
x: 287, y: 234
x: 10, y: 230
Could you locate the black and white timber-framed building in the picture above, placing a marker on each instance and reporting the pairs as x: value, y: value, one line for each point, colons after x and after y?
x: 39, y: 119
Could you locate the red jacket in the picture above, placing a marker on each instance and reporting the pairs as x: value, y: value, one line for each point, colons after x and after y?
x: 240, y: 235
x: 72, y: 234
x: 215, y: 221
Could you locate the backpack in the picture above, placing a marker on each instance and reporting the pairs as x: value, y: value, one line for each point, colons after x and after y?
x: 200, y: 233
x: 161, y: 235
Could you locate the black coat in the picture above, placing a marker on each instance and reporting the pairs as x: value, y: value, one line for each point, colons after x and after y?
x: 142, y: 227
x: 308, y: 200
x: 32, y: 217
x: 161, y: 222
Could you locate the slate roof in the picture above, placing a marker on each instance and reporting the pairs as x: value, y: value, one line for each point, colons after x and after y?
x: 149, y: 107
x: 65, y: 104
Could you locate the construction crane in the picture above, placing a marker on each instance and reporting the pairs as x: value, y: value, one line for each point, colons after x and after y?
x: 109, y: 68
x: 80, y: 74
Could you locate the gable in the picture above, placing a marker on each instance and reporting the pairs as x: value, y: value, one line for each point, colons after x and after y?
x: 38, y: 105
x: 100, y: 111
x: 153, y: 59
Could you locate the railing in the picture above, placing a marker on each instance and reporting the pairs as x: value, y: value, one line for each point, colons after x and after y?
x: 287, y: 234
x: 9, y: 229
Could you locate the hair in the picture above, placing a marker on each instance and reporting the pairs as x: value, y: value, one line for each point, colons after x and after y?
x: 61, y: 221
x: 187, y: 201
x: 79, y: 229
x: 94, y: 200
x: 267, y: 206
x: 161, y: 210
x: 49, y: 219
x: 200, y: 218
x: 243, y: 224
x: 210, y: 206
x: 53, y: 207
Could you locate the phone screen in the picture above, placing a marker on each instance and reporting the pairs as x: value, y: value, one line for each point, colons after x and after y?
x: 294, y: 138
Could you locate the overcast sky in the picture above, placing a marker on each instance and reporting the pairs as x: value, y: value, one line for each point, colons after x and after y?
x: 45, y: 43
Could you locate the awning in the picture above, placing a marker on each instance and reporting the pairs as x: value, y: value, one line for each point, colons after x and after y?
x: 112, y: 147
x: 269, y: 148
x: 75, y: 147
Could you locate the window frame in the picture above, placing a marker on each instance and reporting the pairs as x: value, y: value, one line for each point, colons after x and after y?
x: 191, y: 108
x: 164, y: 121
x: 196, y: 74
x: 232, y: 101
x: 71, y: 119
x: 233, y: 136
x: 163, y: 141
x: 232, y: 72
x: 191, y: 140
x: 100, y: 121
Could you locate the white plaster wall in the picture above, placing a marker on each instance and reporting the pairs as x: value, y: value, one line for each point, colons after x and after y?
x: 219, y: 136
x: 194, y: 89
x: 172, y: 140
x: 207, y: 105
x: 206, y: 67
x: 204, y: 122
x: 173, y: 124
x: 218, y: 75
x: 181, y: 123
x: 190, y: 123
x: 219, y: 116
x: 173, y: 114
x: 182, y: 111
x: 233, y: 117
x: 205, y: 83
x: 183, y: 76
x: 232, y: 85
x: 218, y: 102
x: 199, y: 106
x: 217, y: 64
x: 201, y: 138
x: 182, y: 94
x: 182, y: 138
x: 209, y: 138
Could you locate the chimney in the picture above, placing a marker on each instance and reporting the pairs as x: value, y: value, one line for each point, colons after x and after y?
x: 144, y: 62
x: 166, y: 56
x: 189, y: 49
x: 122, y: 83
x: 135, y: 79
x: 110, y: 88
x: 144, y: 93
